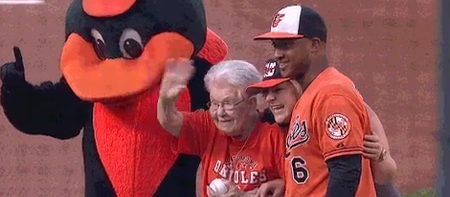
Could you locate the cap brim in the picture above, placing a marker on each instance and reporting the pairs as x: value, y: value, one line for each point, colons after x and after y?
x: 256, y: 88
x: 277, y: 35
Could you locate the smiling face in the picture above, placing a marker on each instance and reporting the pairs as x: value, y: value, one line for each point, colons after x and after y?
x: 281, y: 100
x: 229, y: 109
x: 293, y: 56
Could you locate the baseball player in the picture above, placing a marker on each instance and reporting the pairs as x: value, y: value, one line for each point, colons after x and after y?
x: 324, y: 144
x: 281, y: 94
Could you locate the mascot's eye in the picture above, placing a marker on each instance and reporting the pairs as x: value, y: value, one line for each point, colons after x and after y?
x: 130, y: 44
x: 99, y: 44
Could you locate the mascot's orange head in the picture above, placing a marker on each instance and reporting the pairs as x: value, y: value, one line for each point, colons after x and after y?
x: 117, y: 49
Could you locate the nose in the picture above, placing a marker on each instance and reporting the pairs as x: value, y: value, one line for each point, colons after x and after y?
x: 279, y: 54
x: 270, y: 96
x: 220, y: 111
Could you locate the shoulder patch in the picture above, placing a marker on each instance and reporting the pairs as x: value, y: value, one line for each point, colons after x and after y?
x: 338, y: 126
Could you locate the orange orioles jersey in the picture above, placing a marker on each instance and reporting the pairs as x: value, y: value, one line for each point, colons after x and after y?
x: 329, y: 120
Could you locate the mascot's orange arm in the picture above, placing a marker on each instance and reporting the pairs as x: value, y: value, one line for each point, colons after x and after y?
x: 215, y: 49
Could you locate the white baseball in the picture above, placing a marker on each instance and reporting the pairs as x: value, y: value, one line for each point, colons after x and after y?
x: 218, y: 186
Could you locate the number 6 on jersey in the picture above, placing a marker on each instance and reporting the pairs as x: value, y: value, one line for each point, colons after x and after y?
x: 299, y: 172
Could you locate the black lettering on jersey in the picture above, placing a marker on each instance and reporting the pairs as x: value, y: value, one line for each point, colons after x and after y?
x: 297, y: 135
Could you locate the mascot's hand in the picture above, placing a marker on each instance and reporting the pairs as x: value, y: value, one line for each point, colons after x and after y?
x: 176, y: 77
x: 13, y: 71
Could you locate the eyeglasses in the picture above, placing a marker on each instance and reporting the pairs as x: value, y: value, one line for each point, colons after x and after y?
x: 228, y: 106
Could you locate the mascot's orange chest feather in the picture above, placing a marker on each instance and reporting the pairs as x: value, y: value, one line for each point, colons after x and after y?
x: 133, y: 147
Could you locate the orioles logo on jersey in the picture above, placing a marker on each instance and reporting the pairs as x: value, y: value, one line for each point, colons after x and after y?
x: 298, y: 134
x: 338, y: 126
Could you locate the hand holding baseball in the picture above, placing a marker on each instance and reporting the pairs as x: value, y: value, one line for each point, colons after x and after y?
x: 223, y: 188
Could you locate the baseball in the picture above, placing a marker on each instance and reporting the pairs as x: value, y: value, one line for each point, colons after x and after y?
x: 218, y: 186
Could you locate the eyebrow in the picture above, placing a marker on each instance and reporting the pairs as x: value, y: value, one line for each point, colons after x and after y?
x: 227, y: 99
x: 276, y: 88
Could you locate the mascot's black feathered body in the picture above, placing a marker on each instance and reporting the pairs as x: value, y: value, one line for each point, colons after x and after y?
x: 112, y: 62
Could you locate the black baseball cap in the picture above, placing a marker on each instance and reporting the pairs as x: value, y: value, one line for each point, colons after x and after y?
x: 271, y: 78
x: 296, y: 21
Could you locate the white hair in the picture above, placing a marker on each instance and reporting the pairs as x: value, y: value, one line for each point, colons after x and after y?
x: 238, y: 73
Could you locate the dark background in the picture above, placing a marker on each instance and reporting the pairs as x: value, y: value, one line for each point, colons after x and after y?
x: 388, y: 47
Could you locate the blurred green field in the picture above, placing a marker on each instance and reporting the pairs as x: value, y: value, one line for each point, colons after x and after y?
x: 421, y: 193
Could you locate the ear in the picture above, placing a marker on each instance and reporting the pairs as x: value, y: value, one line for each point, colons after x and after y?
x: 253, y: 102
x: 315, y: 45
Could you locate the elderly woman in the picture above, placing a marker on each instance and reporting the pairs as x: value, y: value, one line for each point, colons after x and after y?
x: 281, y: 95
x: 230, y: 139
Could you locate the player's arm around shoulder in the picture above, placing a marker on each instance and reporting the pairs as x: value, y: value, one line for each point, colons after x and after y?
x: 376, y: 148
x: 340, y: 125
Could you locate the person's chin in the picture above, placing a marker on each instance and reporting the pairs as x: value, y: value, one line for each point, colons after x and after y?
x: 226, y: 129
x: 229, y: 133
x: 281, y: 119
x: 283, y: 122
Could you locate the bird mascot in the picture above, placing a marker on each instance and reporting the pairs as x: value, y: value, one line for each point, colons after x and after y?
x: 112, y: 62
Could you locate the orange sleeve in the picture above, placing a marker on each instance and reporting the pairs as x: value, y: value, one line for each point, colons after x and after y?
x: 196, y: 130
x: 340, y: 126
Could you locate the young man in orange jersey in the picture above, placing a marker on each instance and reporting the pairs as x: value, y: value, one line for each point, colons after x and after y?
x: 324, y: 144
x: 281, y: 94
